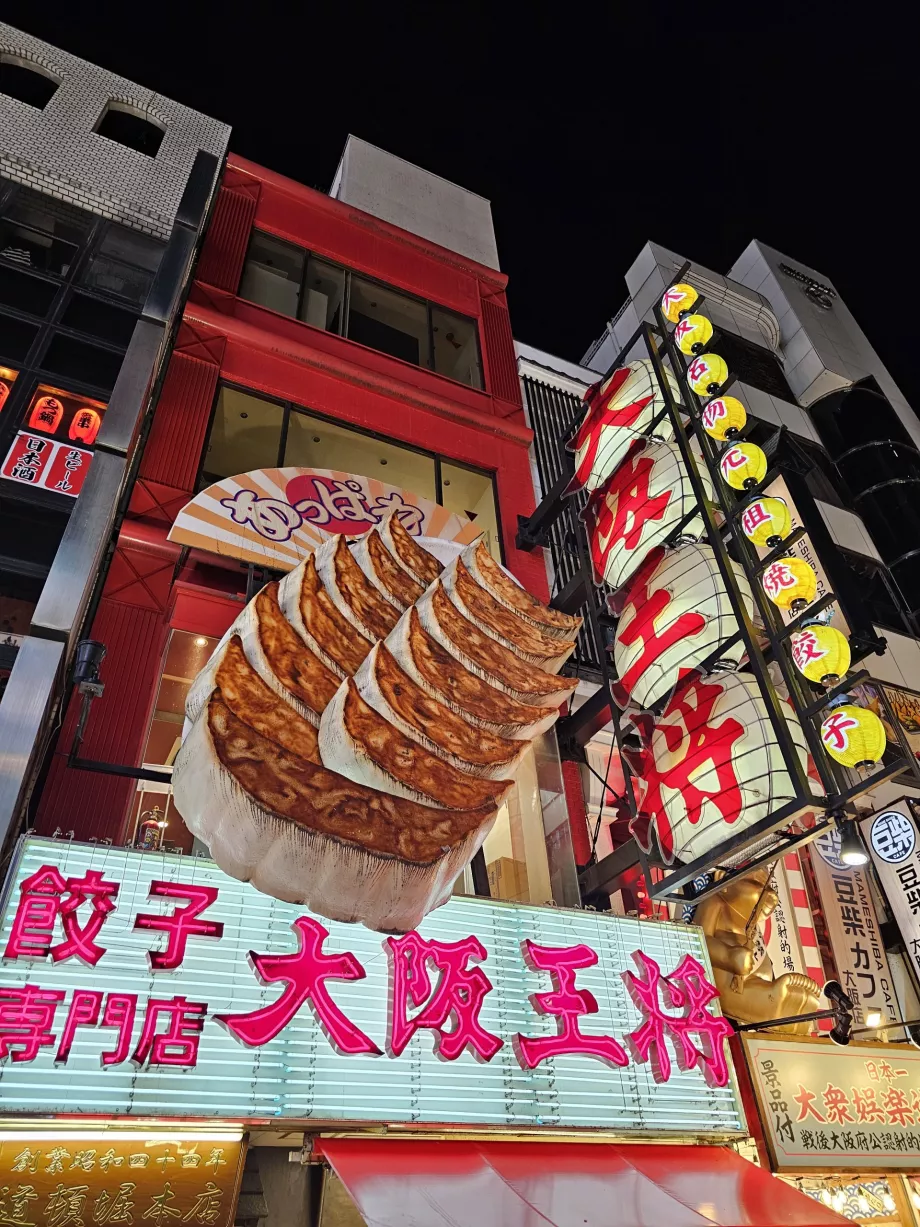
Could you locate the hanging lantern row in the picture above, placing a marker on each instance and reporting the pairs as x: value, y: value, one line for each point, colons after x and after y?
x: 852, y: 735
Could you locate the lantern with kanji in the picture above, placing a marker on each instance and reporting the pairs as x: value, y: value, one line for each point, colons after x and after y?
x: 790, y: 583
x: 743, y: 466
x: 46, y: 414
x: 723, y: 417
x: 85, y: 425
x: 7, y: 378
x: 707, y: 373
x: 712, y: 766
x: 618, y: 411
x: 821, y: 653
x: 638, y: 508
x: 766, y: 521
x: 678, y: 300
x: 693, y: 333
x: 676, y: 614
x: 853, y: 736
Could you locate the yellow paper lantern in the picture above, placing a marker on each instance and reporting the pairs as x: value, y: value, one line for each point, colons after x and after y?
x: 723, y: 417
x: 743, y: 466
x: 693, y: 333
x: 677, y: 300
x: 707, y: 373
x: 821, y: 653
x: 765, y: 521
x: 790, y: 583
x: 853, y: 736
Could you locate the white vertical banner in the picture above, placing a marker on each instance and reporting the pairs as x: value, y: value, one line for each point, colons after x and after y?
x: 893, y: 841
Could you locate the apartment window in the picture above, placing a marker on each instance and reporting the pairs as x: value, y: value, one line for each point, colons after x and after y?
x: 128, y: 126
x: 287, y: 279
x: 28, y: 82
x: 753, y: 364
x: 251, y: 432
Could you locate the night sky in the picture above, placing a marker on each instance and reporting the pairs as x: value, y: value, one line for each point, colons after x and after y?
x: 590, y: 129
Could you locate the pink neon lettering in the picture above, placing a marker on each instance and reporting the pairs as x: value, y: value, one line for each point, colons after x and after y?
x: 304, y: 974
x: 178, y: 1044
x: 181, y: 924
x: 44, y: 897
x: 567, y: 1004
x: 459, y: 995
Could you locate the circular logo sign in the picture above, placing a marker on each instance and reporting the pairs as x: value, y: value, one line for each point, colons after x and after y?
x: 828, y: 846
x: 892, y: 836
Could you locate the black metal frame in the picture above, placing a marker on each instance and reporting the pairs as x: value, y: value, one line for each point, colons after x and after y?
x: 753, y: 846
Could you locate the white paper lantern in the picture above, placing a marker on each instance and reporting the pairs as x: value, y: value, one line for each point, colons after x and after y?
x: 676, y: 613
x: 714, y: 767
x: 618, y: 411
x: 638, y: 508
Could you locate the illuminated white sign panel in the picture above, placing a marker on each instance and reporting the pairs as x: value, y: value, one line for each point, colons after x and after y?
x: 140, y: 983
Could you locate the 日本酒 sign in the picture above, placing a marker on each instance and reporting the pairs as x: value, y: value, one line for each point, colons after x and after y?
x: 825, y: 1107
x: 141, y: 983
x: 275, y: 517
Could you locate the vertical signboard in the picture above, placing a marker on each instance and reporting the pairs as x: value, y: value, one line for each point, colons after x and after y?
x: 893, y: 841
x: 852, y: 926
x: 780, y: 931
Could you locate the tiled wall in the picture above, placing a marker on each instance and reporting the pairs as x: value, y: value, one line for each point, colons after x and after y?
x: 57, y: 151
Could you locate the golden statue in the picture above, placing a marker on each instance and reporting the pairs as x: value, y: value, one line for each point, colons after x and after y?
x: 750, y: 993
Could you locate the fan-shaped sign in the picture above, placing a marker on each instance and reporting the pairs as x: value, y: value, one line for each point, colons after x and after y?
x: 619, y: 411
x: 638, y: 508
x: 677, y: 612
x: 713, y: 766
x: 275, y: 517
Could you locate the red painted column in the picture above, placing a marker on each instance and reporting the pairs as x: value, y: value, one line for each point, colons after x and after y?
x: 578, y: 813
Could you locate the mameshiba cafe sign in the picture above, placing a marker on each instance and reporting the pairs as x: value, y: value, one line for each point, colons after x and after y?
x: 144, y: 984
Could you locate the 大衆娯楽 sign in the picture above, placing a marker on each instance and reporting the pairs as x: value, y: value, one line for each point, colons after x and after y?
x: 144, y: 984
x: 829, y: 1108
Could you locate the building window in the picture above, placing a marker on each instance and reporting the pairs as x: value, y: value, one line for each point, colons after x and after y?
x: 131, y: 127
x: 28, y: 82
x: 250, y: 432
x: 753, y: 364
x: 53, y: 448
x: 41, y: 233
x: 124, y: 264
x: 285, y: 278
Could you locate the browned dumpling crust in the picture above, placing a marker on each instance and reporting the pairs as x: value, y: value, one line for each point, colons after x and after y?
x: 297, y: 668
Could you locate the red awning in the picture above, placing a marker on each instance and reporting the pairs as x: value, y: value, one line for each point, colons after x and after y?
x: 402, y: 1183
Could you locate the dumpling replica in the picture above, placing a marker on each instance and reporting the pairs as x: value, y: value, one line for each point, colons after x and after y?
x: 354, y: 733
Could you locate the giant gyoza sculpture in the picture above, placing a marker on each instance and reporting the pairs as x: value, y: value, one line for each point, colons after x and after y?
x: 355, y: 732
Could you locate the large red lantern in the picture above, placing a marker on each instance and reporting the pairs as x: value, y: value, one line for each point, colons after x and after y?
x: 46, y: 414
x: 677, y: 612
x: 638, y: 508
x: 712, y: 766
x: 85, y: 425
x: 618, y: 411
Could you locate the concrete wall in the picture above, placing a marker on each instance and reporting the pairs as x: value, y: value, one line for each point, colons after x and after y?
x: 56, y: 150
x: 407, y: 196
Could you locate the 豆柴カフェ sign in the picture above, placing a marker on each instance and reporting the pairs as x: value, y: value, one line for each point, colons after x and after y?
x: 275, y: 517
x: 62, y: 1178
x: 852, y: 926
x: 826, y: 1108
x: 145, y: 984
x: 893, y: 841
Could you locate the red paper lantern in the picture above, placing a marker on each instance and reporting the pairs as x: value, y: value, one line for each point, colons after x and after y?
x: 46, y: 414
x: 85, y: 425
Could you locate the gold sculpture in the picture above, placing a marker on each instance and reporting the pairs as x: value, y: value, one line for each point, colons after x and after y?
x: 750, y: 993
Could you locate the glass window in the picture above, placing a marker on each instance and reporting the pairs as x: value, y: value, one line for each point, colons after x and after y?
x: 456, y: 347
x: 42, y: 233
x: 124, y: 264
x: 245, y: 435
x: 7, y: 379
x: 74, y: 359
x: 515, y: 848
x: 472, y: 494
x: 25, y: 292
x: 323, y: 302
x: 16, y: 337
x: 315, y: 444
x: 273, y: 273
x: 385, y: 320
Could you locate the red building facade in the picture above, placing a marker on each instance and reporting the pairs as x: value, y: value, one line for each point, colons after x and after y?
x: 153, y: 588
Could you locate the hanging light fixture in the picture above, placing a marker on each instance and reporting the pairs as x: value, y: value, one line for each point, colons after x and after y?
x: 693, y: 333
x: 852, y: 851
x: 724, y: 417
x: 743, y: 466
x: 46, y: 414
x: 821, y: 653
x: 790, y: 583
x: 766, y: 521
x: 707, y: 373
x: 853, y: 736
x: 677, y: 301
